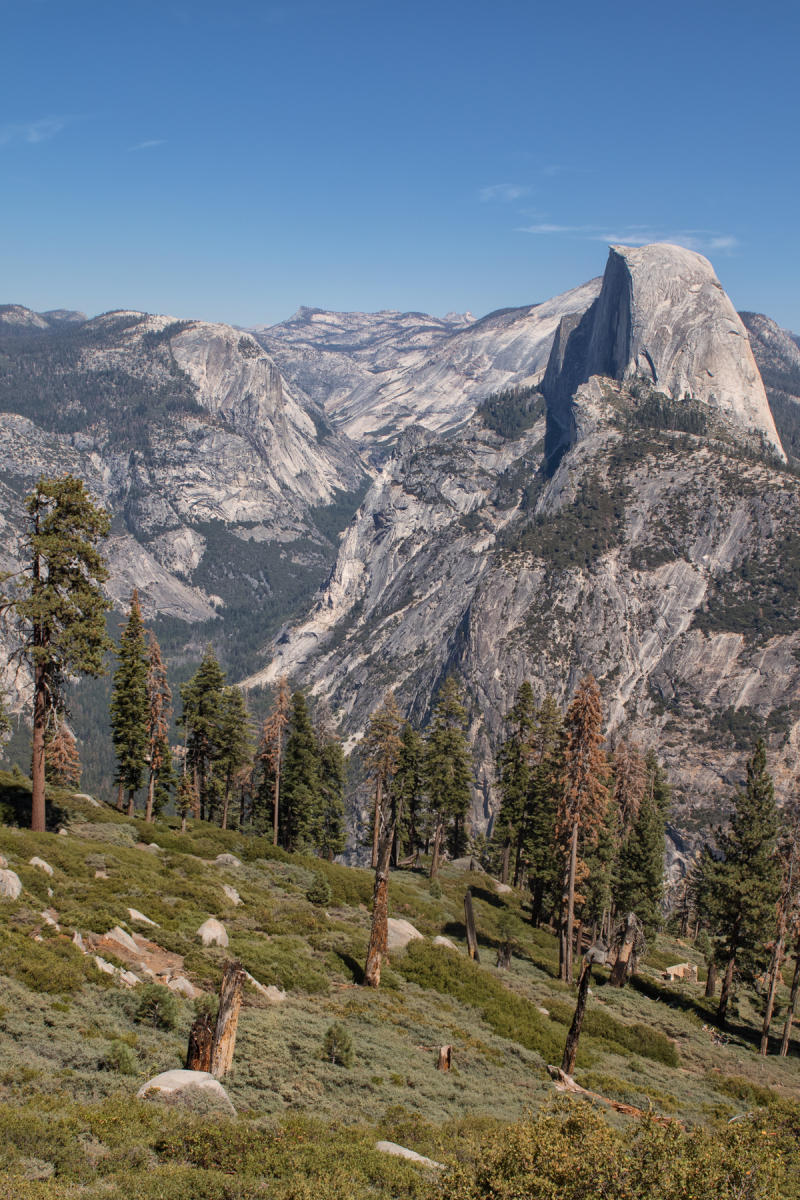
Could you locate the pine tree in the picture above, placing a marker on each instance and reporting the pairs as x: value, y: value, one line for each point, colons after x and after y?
x: 382, y: 746
x: 159, y: 713
x: 202, y: 720
x: 273, y: 740
x: 62, y: 762
x: 61, y: 604
x: 129, y: 708
x: 329, y: 837
x: 448, y: 770
x: 639, y: 883
x: 187, y: 802
x: 546, y: 783
x: 408, y: 792
x: 301, y: 789
x: 514, y: 779
x: 233, y: 747
x: 788, y: 908
x: 583, y: 805
x: 742, y: 889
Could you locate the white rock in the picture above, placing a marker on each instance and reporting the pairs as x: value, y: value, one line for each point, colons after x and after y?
x: 544, y: 1011
x: 49, y: 918
x: 275, y: 995
x: 439, y: 940
x: 231, y: 893
x: 103, y: 965
x: 62, y: 833
x: 140, y: 918
x: 183, y: 987
x: 3, y: 863
x: 502, y: 889
x: 227, y: 860
x: 10, y: 885
x: 129, y: 978
x: 41, y: 864
x: 173, y: 1083
x: 89, y: 799
x: 212, y: 933
x: 400, y: 933
x: 101, y: 874
x: 122, y: 939
x: 411, y: 1155
x: 50, y: 892
x: 77, y: 940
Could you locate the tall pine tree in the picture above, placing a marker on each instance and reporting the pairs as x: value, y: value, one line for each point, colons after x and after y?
x: 270, y: 752
x: 382, y: 746
x: 301, y: 788
x: 202, y: 720
x: 159, y: 714
x: 448, y: 771
x: 129, y: 704
x: 514, y: 779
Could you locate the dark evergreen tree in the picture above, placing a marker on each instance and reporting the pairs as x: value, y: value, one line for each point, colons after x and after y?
x: 742, y: 887
x: 129, y: 704
x: 233, y: 746
x: 639, y: 882
x: 408, y: 793
x: 514, y: 780
x: 329, y: 835
x: 202, y: 721
x: 270, y: 753
x: 61, y: 604
x: 381, y: 750
x: 541, y: 852
x: 448, y: 771
x: 301, y: 788
x: 159, y: 711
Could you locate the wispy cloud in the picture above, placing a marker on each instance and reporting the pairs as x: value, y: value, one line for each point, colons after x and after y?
x: 32, y: 133
x: 148, y: 145
x: 506, y: 193
x: 639, y: 235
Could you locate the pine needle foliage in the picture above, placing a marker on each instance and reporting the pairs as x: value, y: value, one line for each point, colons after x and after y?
x: 129, y: 704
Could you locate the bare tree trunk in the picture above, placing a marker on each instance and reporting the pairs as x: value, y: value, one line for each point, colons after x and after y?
x: 725, y: 994
x: 518, y: 861
x: 445, y: 1058
x: 151, y: 788
x: 506, y: 861
x: 711, y: 979
x: 619, y: 972
x: 226, y: 802
x: 469, y: 921
x: 230, y: 1001
x: 437, y: 843
x: 787, y: 1029
x: 774, y: 975
x: 131, y: 809
x: 37, y: 755
x: 120, y: 796
x: 568, y: 916
x: 376, y: 821
x: 201, y: 1040
x: 571, y: 1044
x: 276, y: 795
x: 376, y: 950
x: 503, y: 956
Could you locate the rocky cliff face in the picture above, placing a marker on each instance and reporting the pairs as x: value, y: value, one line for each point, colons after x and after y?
x: 661, y: 316
x: 661, y: 554
x: 433, y: 374
x: 226, y: 485
x: 777, y: 355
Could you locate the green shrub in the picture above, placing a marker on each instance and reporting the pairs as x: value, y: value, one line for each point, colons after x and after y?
x: 120, y: 1057
x: 320, y: 892
x: 54, y: 965
x: 435, y: 889
x: 158, y: 1007
x: 337, y: 1046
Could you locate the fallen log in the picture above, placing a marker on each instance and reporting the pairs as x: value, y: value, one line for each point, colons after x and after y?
x: 565, y: 1083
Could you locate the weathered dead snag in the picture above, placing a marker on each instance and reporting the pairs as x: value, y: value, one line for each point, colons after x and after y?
x: 201, y: 1040
x: 630, y: 945
x: 469, y: 921
x: 594, y: 956
x: 230, y: 1002
x: 444, y: 1060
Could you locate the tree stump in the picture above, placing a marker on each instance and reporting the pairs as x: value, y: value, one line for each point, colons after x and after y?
x: 201, y: 1040
x: 445, y: 1058
x: 469, y: 921
x: 230, y: 1001
x: 504, y: 955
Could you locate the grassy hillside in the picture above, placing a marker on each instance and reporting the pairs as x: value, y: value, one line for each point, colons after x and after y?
x: 76, y: 1047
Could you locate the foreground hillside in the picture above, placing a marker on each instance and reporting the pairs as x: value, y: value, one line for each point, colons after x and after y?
x: 78, y: 1043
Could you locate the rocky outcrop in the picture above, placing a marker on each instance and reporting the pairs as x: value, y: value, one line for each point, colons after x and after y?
x: 661, y: 316
x: 777, y: 355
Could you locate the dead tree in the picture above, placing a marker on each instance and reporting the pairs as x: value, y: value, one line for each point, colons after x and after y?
x: 630, y: 945
x: 594, y: 956
x: 230, y: 1002
x: 469, y: 920
x: 444, y: 1060
x: 201, y: 1040
x: 379, y: 930
x: 711, y: 979
x: 787, y: 1029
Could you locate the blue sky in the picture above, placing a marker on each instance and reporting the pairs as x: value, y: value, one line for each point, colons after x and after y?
x: 234, y: 162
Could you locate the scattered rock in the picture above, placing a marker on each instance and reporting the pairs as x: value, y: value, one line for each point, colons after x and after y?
x: 101, y: 874
x: 197, y: 1090
x: 212, y: 933
x: 41, y: 864
x: 400, y: 934
x: 684, y: 970
x: 10, y: 885
x: 89, y: 799
x: 103, y: 965
x: 3, y: 863
x: 502, y: 889
x: 544, y: 1011
x: 37, y: 1168
x: 50, y: 917
x: 183, y: 987
x: 122, y: 939
x: 150, y: 847
x: 154, y: 846
x: 231, y: 893
x: 227, y: 860
x: 62, y: 833
x: 50, y: 892
x: 129, y: 978
x: 77, y: 940
x: 439, y: 940
x: 411, y: 1155
x: 467, y: 864
x: 140, y: 918
x: 275, y: 995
